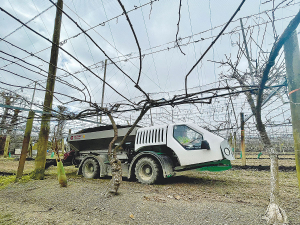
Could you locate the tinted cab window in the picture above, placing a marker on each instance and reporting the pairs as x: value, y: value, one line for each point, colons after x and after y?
x: 187, y: 137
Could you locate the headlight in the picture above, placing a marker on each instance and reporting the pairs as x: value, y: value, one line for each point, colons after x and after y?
x: 227, y: 151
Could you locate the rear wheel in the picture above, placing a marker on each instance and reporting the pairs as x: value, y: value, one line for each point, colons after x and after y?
x: 147, y: 171
x: 90, y: 168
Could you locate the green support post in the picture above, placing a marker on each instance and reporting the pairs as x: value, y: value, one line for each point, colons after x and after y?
x: 7, y: 142
x: 25, y: 145
x: 40, y: 159
x: 292, y: 61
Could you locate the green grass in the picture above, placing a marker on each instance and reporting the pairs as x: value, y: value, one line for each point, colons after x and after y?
x: 6, y: 219
x: 6, y: 180
x: 71, y: 171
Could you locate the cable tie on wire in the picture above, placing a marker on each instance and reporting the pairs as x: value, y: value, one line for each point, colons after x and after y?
x: 294, y: 91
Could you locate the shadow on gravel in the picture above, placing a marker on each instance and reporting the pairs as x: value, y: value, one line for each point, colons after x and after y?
x: 6, y: 174
x: 265, y: 168
x: 182, y: 179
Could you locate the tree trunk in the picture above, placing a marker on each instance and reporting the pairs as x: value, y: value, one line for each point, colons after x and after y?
x: 25, y: 145
x: 5, y: 114
x: 13, y: 122
x: 115, y: 163
x: 274, y: 214
x: 116, y: 167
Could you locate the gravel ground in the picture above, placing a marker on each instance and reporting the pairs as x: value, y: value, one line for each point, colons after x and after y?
x: 83, y: 202
x: 184, y: 199
x: 231, y: 197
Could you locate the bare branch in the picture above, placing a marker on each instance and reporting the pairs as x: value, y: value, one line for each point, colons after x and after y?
x: 178, y: 28
x: 138, y: 45
x: 238, y: 9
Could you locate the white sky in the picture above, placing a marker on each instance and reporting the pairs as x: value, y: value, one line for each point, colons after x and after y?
x: 155, y: 25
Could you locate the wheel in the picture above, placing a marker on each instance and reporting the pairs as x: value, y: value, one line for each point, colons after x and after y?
x: 147, y: 171
x: 90, y: 168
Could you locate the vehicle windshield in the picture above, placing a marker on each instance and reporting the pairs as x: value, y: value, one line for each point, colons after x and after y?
x: 187, y: 137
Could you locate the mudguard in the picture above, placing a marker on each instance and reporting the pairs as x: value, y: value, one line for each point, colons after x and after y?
x: 164, y: 160
x: 100, y: 160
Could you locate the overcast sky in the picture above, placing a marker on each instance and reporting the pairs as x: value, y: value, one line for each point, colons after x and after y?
x: 164, y: 67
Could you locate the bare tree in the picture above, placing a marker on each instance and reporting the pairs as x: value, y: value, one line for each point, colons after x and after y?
x: 115, y: 163
x: 6, y: 110
x: 267, y: 74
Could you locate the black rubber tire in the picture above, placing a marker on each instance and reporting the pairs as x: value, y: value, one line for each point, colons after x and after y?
x: 147, y: 171
x: 90, y: 168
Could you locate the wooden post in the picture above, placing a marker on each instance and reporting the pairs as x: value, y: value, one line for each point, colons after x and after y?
x: 102, y: 100
x: 292, y: 61
x: 25, y: 145
x: 234, y: 144
x: 230, y: 140
x: 69, y: 147
x: 33, y: 94
x: 30, y: 148
x: 151, y: 118
x: 29, y: 117
x: 62, y: 146
x: 7, y: 142
x: 40, y: 159
x: 243, y: 140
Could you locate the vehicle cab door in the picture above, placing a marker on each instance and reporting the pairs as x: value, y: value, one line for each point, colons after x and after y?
x: 193, y: 145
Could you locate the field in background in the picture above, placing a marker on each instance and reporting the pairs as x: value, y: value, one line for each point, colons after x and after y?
x: 10, y: 165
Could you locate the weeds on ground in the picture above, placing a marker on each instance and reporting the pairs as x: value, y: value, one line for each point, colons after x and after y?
x: 6, y: 180
x: 6, y: 219
x: 71, y: 171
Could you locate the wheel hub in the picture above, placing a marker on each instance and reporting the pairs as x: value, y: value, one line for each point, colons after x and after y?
x: 90, y: 168
x: 147, y: 170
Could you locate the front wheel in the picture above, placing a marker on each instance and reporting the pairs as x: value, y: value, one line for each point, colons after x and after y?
x: 90, y: 168
x: 147, y: 171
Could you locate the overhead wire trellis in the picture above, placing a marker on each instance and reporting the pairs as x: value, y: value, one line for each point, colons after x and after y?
x: 172, y: 105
